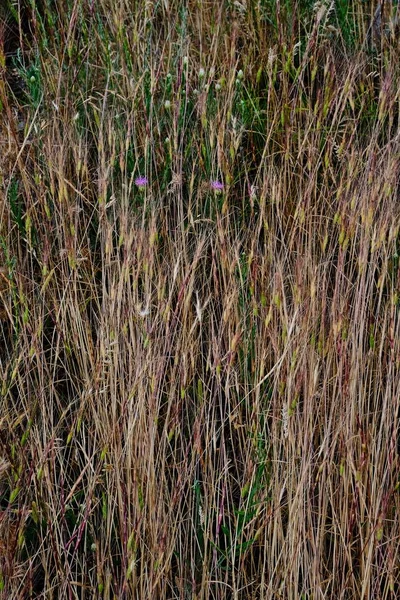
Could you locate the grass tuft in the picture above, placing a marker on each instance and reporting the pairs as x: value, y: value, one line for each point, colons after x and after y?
x: 199, y: 300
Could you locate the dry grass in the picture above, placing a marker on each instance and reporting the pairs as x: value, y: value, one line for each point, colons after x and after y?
x: 200, y: 390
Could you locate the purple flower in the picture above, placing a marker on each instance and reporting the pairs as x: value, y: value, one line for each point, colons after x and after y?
x: 217, y: 186
x: 141, y: 181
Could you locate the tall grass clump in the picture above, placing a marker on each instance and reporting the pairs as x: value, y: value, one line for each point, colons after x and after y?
x: 199, y: 300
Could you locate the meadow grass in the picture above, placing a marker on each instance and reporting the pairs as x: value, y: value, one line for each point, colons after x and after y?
x: 199, y: 300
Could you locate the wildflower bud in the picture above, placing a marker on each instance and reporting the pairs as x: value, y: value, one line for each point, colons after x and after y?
x: 217, y: 87
x: 240, y: 74
x: 185, y: 60
x: 169, y: 76
x: 201, y: 73
x: 167, y: 105
x: 32, y: 79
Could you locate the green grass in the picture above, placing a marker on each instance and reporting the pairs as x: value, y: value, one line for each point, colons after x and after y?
x: 199, y: 391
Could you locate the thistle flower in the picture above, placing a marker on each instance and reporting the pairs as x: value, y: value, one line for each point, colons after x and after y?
x: 141, y: 182
x: 217, y: 186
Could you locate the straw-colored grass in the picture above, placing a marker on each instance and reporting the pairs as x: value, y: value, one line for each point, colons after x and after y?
x: 199, y: 387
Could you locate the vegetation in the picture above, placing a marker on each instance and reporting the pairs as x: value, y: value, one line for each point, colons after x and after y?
x: 199, y: 300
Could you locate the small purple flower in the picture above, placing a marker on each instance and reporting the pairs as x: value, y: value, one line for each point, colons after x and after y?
x: 217, y: 186
x: 141, y: 181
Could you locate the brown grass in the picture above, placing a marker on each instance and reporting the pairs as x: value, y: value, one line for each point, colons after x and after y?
x: 200, y: 391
